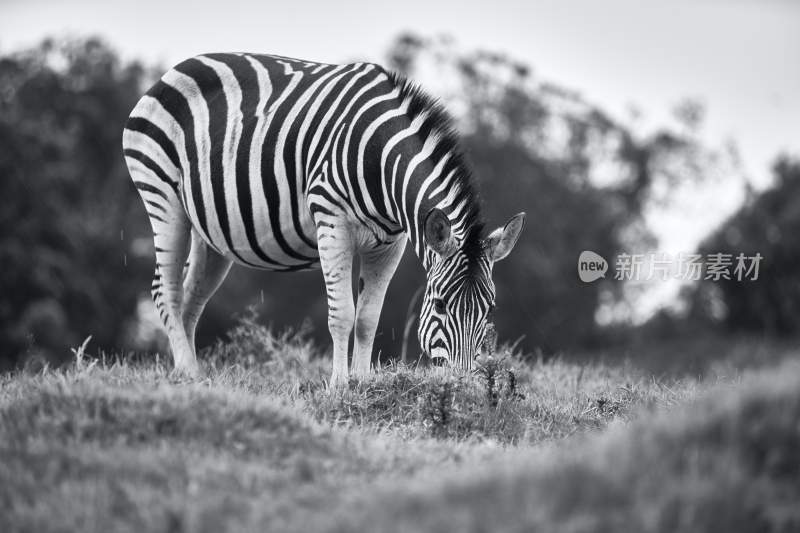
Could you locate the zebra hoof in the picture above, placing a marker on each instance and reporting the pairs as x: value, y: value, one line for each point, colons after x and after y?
x: 183, y: 374
x: 361, y: 373
x: 338, y: 382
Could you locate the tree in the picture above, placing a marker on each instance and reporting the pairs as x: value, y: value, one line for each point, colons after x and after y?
x: 68, y: 210
x: 767, y: 224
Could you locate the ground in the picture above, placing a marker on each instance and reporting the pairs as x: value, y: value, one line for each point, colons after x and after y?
x: 113, y: 443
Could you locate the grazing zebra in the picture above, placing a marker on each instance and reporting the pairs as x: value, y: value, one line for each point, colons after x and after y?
x: 282, y: 164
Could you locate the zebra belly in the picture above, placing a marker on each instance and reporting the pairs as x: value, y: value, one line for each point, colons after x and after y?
x: 254, y: 228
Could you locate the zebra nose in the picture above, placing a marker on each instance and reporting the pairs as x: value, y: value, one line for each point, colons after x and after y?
x: 439, y: 361
x: 439, y: 355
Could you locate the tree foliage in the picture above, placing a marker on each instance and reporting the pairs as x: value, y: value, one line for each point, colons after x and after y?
x: 768, y: 224
x: 66, y: 202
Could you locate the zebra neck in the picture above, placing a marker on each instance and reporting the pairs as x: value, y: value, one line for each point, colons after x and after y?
x: 421, y: 169
x: 426, y: 186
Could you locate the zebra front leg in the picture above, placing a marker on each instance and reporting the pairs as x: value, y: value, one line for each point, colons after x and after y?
x: 336, y: 259
x: 377, y: 268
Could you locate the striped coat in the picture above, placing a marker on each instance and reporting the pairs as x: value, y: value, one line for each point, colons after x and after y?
x: 282, y: 164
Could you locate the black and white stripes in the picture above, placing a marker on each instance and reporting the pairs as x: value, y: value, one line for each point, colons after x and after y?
x: 283, y: 164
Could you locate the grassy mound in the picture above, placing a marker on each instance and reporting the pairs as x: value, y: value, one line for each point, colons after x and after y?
x: 504, y: 401
x: 728, y: 462
x: 115, y: 444
x: 81, y: 454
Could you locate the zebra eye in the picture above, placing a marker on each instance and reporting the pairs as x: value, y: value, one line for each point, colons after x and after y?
x: 438, y: 304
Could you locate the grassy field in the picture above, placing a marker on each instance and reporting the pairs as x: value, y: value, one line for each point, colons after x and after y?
x: 115, y: 444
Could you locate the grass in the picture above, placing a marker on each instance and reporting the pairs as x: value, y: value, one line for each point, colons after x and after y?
x: 115, y: 444
x: 726, y: 462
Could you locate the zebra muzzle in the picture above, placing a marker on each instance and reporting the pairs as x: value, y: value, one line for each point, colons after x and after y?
x: 438, y: 354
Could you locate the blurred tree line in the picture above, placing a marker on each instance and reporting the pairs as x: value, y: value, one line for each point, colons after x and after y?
x: 65, y: 200
x: 76, y: 253
x: 767, y: 224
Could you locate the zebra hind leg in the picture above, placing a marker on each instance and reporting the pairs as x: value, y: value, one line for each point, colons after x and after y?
x: 171, y: 230
x: 171, y: 249
x: 206, y: 272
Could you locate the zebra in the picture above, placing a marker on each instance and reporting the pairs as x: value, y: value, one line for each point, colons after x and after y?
x: 283, y: 164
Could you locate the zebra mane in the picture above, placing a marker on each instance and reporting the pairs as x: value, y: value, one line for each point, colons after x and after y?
x: 440, y: 122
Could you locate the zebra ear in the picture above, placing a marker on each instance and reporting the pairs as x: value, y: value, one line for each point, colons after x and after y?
x: 502, y: 240
x: 437, y: 232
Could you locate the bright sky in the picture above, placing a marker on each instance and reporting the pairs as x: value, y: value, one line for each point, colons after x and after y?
x: 740, y: 57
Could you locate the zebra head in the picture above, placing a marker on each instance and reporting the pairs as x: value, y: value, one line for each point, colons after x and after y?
x: 460, y: 294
